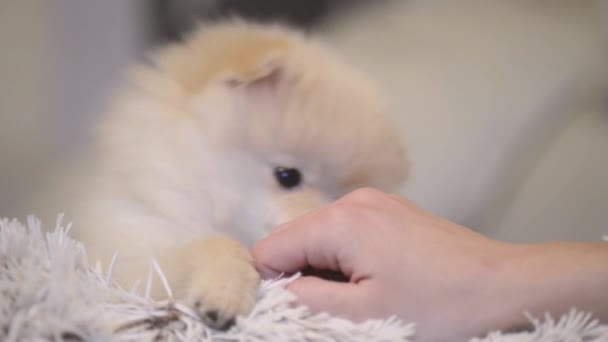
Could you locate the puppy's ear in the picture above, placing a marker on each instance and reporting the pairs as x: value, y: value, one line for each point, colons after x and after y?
x: 263, y: 71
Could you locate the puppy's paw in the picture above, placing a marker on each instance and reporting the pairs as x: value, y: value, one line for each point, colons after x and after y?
x: 223, y: 281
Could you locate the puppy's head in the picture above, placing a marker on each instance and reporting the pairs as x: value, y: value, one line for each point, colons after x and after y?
x: 302, y: 127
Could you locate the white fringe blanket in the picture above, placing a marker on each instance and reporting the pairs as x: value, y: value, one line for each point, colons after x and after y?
x: 48, y: 292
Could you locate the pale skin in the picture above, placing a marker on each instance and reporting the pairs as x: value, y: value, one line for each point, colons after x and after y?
x: 453, y: 282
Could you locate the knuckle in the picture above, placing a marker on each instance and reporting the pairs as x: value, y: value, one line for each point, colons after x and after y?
x: 341, y: 212
x: 345, y: 218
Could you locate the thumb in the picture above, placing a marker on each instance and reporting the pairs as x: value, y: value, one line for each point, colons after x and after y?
x: 341, y: 299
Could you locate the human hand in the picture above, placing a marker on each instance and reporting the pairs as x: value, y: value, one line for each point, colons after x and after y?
x: 399, y: 260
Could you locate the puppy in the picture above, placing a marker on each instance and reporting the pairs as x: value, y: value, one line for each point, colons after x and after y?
x: 216, y: 141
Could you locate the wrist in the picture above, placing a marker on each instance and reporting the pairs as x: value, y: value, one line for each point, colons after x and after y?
x: 503, y: 292
x: 516, y: 283
x: 547, y: 278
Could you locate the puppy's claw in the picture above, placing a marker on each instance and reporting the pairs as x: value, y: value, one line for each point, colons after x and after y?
x: 213, y: 318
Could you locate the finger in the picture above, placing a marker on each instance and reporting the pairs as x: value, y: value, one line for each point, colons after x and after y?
x: 311, y: 240
x: 320, y: 295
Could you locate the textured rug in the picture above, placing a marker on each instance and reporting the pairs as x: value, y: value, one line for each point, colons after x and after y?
x: 49, y: 292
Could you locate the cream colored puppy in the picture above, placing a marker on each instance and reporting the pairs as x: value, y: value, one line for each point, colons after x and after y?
x: 217, y: 141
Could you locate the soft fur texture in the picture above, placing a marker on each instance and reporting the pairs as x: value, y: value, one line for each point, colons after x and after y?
x: 183, y: 168
x: 48, y: 292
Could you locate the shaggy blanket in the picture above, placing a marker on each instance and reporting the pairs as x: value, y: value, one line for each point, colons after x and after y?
x: 49, y: 292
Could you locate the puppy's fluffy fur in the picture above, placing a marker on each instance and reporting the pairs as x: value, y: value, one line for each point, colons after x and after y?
x: 184, y: 164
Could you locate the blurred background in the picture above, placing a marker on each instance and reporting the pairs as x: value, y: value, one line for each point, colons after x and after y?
x: 503, y: 105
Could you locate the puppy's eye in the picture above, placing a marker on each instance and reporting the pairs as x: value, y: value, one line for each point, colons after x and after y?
x: 288, y: 178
